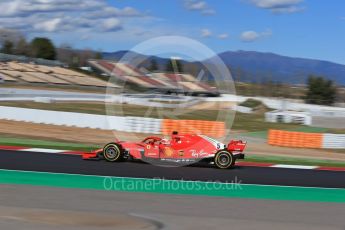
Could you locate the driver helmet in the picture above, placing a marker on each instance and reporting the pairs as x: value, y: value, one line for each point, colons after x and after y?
x: 165, y: 141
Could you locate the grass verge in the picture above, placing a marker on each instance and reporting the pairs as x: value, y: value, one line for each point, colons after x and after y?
x: 34, y: 143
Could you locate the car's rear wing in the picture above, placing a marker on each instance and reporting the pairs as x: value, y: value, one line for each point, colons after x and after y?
x: 236, y: 145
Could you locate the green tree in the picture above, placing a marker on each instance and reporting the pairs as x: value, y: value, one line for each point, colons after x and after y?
x: 43, y: 48
x: 7, y: 47
x: 153, y: 65
x: 22, y: 47
x: 320, y: 91
x: 174, y: 65
x: 98, y: 55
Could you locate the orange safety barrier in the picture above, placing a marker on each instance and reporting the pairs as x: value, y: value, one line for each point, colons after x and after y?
x: 209, y: 128
x: 295, y: 139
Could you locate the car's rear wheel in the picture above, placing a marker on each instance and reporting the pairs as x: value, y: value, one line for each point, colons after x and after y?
x: 112, y: 152
x: 224, y: 159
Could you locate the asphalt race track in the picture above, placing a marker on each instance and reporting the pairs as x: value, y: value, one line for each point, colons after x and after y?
x: 91, y: 209
x: 24, y: 206
x: 44, y: 162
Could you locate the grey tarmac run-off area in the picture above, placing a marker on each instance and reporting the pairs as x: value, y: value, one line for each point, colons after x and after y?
x: 36, y: 208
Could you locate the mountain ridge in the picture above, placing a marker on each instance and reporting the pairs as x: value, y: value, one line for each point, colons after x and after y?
x: 254, y: 66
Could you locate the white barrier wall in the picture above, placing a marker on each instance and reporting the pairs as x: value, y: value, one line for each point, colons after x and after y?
x: 143, y: 125
x: 82, y: 120
x: 126, y: 124
x: 242, y: 109
x: 333, y: 141
x: 288, y: 117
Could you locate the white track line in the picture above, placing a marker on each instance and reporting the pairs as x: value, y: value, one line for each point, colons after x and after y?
x: 40, y: 150
x: 294, y: 166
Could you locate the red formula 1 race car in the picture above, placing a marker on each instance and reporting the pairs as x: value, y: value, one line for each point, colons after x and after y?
x: 179, y: 149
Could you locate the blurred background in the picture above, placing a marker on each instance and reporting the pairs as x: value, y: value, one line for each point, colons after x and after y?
x: 284, y: 80
x: 274, y: 77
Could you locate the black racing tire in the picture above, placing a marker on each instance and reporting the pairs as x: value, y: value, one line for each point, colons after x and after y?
x: 113, y: 152
x: 224, y: 159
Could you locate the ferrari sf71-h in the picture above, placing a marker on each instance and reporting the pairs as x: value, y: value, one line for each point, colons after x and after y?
x: 179, y: 148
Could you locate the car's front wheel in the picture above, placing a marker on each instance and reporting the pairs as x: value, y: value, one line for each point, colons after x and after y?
x: 112, y: 152
x: 224, y: 159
